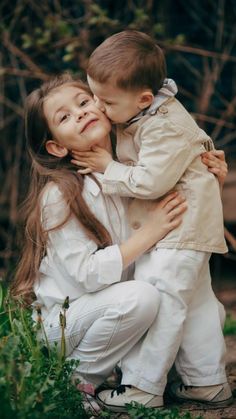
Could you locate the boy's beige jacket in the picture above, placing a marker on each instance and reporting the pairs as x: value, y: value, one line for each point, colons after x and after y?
x: 161, y: 152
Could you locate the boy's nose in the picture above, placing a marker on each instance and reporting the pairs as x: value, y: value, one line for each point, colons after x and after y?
x: 99, y: 104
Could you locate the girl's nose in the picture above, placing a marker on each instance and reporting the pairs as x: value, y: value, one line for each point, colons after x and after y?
x: 80, y: 114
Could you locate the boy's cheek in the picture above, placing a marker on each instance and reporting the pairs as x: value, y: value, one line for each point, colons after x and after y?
x: 112, y: 115
x: 108, y: 114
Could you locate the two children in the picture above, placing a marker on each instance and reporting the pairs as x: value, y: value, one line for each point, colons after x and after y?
x: 159, y: 148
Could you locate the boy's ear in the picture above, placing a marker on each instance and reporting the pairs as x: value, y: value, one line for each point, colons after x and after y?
x: 56, y: 149
x: 145, y: 99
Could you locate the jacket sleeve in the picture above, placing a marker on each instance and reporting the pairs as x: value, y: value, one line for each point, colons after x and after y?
x: 165, y: 153
x: 76, y: 256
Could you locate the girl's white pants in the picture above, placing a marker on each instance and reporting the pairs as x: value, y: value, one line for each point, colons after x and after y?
x: 103, y: 326
x: 187, y: 329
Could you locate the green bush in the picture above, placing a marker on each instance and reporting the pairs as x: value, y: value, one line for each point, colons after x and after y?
x: 35, y: 381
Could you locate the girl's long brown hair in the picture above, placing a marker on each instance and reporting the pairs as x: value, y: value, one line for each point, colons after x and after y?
x: 46, y: 168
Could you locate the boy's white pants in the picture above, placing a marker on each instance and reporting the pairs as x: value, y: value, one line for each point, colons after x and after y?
x: 103, y: 326
x: 187, y: 329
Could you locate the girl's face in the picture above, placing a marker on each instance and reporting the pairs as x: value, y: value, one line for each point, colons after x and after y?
x: 74, y: 120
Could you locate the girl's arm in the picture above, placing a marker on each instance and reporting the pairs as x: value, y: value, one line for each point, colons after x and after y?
x: 78, y: 258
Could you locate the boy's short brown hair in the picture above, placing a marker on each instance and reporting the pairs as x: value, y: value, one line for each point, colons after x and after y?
x: 129, y: 59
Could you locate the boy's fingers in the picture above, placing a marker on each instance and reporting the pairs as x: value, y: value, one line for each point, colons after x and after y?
x: 214, y: 170
x: 220, y: 154
x: 208, y: 156
x: 212, y: 162
x: 215, y: 162
x: 76, y: 162
x: 79, y: 163
x: 214, y: 154
x: 84, y: 171
x: 82, y: 155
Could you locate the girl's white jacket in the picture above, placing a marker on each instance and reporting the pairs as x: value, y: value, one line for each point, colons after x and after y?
x: 73, y: 264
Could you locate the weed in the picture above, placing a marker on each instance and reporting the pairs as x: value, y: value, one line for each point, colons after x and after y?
x: 35, y: 381
x: 137, y: 411
x: 230, y: 325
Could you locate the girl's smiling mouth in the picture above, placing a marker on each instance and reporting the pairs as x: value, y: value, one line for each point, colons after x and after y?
x: 89, y: 124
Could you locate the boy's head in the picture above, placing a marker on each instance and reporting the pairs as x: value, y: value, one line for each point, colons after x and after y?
x: 124, y: 73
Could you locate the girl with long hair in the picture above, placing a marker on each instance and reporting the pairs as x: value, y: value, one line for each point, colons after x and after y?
x: 77, y: 240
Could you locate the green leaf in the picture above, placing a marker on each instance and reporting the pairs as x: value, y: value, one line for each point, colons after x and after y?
x: 1, y: 295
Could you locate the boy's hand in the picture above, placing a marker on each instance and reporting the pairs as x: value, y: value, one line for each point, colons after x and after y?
x: 95, y: 160
x: 215, y: 160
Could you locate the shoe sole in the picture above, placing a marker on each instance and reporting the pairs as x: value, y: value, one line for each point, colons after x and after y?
x: 123, y: 409
x: 212, y: 405
x: 111, y: 407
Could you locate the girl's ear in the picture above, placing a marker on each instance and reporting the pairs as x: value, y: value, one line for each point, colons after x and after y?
x: 56, y: 149
x: 145, y: 99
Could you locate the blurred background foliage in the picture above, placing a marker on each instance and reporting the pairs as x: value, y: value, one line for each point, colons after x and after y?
x: 42, y: 38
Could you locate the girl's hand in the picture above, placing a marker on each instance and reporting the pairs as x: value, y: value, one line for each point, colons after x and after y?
x: 165, y: 215
x: 215, y: 160
x: 95, y: 160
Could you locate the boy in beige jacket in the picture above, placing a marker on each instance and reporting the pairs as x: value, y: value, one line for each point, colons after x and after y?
x: 159, y: 148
